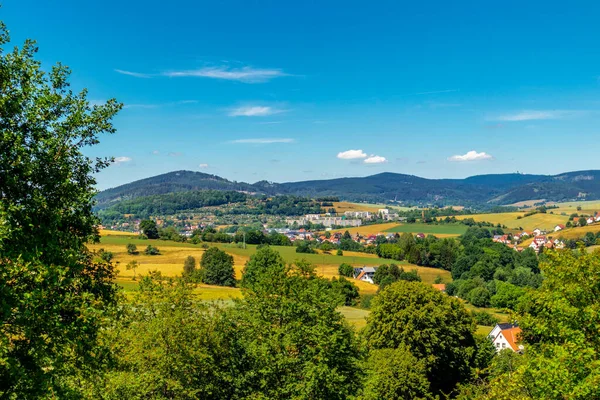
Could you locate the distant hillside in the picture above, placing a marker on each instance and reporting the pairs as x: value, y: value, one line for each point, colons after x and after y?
x: 476, y: 190
x: 177, y: 181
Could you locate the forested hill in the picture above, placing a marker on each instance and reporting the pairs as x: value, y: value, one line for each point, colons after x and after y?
x: 481, y: 189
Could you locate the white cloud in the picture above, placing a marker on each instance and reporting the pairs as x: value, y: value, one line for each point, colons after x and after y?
x: 245, y: 74
x: 529, y: 115
x: 375, y: 160
x: 203, y: 166
x: 263, y: 141
x: 134, y: 74
x: 156, y: 152
x: 254, y: 111
x: 351, y: 154
x: 122, y: 159
x: 471, y: 156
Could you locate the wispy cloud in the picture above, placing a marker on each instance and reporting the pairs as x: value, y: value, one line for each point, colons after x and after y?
x: 270, y: 122
x: 351, y: 154
x: 245, y: 74
x: 156, y: 152
x: 375, y: 160
x: 134, y: 74
x: 122, y: 159
x: 203, y: 166
x: 471, y: 156
x: 262, y: 141
x: 175, y: 154
x: 529, y: 115
x: 438, y: 91
x: 254, y: 111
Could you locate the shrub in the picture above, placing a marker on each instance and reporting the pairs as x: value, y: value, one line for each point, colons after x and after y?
x: 346, y: 270
x: 132, y: 249
x: 484, y: 318
x: 151, y: 251
x: 479, y: 297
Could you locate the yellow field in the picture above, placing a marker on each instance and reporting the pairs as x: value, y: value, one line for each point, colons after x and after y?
x: 173, y: 254
x: 543, y: 221
x: 587, y: 207
x: 108, y: 232
x: 343, y: 206
x: 579, y: 232
x: 368, y: 229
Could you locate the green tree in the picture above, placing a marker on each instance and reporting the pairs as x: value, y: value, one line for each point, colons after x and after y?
x: 132, y: 249
x: 189, y: 268
x: 132, y: 265
x: 151, y: 251
x: 346, y: 270
x: 217, y: 268
x: 167, y: 346
x: 106, y: 256
x: 560, y: 334
x: 435, y: 327
x: 54, y: 295
x: 479, y: 297
x: 395, y: 374
x: 149, y: 228
x: 299, y: 345
x: 339, y: 252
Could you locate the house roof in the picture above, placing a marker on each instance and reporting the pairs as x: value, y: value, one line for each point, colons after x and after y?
x: 512, y: 337
x: 369, y: 269
x: 561, y: 226
x: 439, y: 286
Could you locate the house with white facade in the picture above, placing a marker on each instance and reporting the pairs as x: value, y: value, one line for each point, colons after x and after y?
x: 506, y: 336
x: 559, y: 227
x: 364, y: 273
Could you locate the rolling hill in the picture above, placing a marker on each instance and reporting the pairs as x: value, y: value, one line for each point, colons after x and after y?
x: 487, y: 190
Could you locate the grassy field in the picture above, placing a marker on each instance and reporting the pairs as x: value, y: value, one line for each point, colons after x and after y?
x: 444, y: 230
x: 587, y: 207
x: 173, y: 254
x: 368, y: 229
x: 578, y: 232
x: 108, y: 232
x: 543, y: 221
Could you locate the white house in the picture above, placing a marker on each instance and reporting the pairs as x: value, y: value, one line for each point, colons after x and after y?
x: 365, y: 273
x: 539, y: 232
x: 559, y: 227
x: 506, y: 336
x: 590, y: 220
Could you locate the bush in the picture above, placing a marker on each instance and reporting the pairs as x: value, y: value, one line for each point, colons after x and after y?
x: 484, y: 318
x: 365, y: 301
x: 151, y: 251
x: 479, y: 297
x: 346, y: 270
x: 339, y: 252
x: 132, y: 249
x: 105, y: 255
x: 217, y: 268
x: 304, y: 247
x: 348, y: 290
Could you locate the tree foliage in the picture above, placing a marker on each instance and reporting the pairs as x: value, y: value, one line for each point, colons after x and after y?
x: 435, y: 327
x: 217, y: 268
x: 53, y: 292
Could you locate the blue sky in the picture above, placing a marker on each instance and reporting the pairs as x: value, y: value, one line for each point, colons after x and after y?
x: 285, y: 91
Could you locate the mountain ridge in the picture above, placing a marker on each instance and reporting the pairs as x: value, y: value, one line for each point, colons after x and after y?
x: 386, y: 186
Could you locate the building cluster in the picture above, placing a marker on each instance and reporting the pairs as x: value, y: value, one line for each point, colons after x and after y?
x: 539, y: 239
x: 327, y: 221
